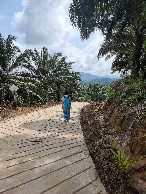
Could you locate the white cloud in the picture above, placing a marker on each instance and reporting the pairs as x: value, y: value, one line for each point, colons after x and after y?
x: 86, y: 58
x: 96, y: 43
x: 20, y: 46
x: 44, y: 22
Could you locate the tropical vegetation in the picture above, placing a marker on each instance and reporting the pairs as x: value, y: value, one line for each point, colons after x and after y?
x: 123, y: 25
x: 39, y: 76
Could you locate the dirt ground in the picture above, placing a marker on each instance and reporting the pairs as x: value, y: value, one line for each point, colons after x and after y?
x: 94, y: 129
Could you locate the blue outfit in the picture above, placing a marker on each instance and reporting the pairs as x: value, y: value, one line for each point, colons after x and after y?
x: 65, y: 110
x: 66, y: 113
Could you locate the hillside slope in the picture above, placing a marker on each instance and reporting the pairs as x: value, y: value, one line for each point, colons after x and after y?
x: 115, y: 135
x: 90, y: 79
x: 125, y: 112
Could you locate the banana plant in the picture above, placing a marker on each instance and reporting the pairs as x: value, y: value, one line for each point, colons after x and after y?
x: 53, y: 72
x: 11, y: 61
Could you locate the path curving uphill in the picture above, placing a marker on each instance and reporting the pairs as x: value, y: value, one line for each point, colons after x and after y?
x: 39, y: 153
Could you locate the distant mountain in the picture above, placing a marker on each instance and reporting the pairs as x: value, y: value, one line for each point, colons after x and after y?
x: 90, y: 79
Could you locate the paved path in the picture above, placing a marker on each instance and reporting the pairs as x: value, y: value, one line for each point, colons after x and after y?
x: 39, y: 153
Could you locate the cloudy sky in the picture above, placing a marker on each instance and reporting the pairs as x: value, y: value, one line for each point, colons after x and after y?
x: 38, y: 23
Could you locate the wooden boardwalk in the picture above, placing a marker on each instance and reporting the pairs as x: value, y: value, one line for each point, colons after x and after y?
x: 39, y: 153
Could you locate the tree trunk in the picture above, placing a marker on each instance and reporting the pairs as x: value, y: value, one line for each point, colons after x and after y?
x: 137, y: 54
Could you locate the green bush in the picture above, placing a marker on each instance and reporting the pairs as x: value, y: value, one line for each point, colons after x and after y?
x: 123, y: 161
x: 120, y: 158
x: 126, y: 92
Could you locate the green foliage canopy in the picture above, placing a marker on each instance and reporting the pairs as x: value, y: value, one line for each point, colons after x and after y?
x: 123, y: 25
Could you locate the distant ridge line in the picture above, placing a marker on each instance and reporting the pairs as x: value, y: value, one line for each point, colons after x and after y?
x: 90, y: 79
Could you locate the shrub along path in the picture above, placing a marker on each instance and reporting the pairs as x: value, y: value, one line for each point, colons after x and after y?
x: 39, y: 153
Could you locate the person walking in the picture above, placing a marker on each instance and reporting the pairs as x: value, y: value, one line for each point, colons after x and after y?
x: 66, y: 105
